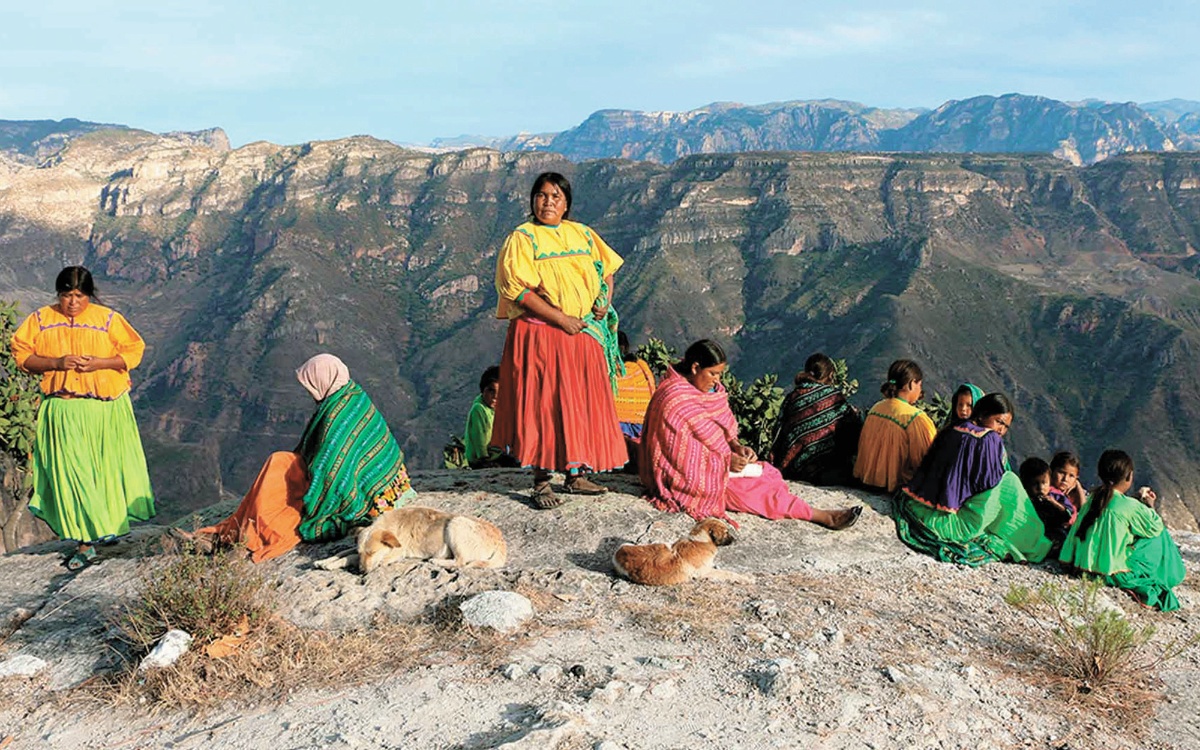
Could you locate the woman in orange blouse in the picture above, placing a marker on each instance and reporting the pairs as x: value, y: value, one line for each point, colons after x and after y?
x: 89, y: 471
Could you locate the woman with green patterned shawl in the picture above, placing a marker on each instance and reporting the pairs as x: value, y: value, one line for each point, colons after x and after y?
x: 346, y: 469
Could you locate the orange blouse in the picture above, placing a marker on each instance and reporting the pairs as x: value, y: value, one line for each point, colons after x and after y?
x: 98, y: 331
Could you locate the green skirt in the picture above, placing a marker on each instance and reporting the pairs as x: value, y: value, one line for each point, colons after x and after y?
x: 1155, y: 567
x: 997, y: 524
x: 89, y: 470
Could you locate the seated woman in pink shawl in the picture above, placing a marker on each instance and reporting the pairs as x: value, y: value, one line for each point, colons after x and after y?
x: 690, y: 458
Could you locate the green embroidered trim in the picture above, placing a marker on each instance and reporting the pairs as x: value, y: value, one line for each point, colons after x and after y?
x: 563, y: 254
x: 529, y: 234
x: 893, y: 420
x: 521, y: 296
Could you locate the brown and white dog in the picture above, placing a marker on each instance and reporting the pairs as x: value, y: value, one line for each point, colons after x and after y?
x: 688, y: 558
x: 420, y: 533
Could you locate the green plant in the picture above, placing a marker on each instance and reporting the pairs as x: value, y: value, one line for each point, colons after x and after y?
x: 206, y: 595
x: 756, y: 407
x: 19, y: 396
x: 658, y: 355
x: 937, y: 408
x: 841, y: 378
x: 454, y: 454
x: 1091, y: 643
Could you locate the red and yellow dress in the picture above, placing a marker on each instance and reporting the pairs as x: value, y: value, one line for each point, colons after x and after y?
x: 89, y: 469
x: 557, y: 411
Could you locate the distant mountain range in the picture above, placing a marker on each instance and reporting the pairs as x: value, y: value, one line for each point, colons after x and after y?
x: 1080, y: 133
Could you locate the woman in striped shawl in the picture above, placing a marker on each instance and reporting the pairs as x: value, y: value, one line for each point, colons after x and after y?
x: 347, y: 468
x: 691, y: 460
x: 819, y: 430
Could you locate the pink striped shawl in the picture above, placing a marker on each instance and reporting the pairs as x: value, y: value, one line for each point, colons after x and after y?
x: 685, y: 448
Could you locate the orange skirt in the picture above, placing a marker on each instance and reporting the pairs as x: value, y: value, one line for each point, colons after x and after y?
x: 556, y: 409
x: 268, y: 519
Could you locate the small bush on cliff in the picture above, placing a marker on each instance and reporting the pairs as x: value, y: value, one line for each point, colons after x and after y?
x: 658, y: 355
x: 206, y: 595
x: 1099, y: 654
x: 19, y: 394
x: 756, y: 407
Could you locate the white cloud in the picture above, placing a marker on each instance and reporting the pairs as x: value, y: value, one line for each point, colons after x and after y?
x: 770, y: 47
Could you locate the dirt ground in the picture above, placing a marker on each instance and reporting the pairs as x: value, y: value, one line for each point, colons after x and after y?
x: 844, y: 640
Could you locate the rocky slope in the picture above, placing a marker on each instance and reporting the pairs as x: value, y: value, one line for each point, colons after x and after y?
x: 843, y: 640
x: 1072, y: 289
x: 1080, y: 133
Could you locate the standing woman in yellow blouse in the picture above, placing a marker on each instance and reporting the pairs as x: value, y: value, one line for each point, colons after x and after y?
x: 556, y: 412
x: 89, y: 471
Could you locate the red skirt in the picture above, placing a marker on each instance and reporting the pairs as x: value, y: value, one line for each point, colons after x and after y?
x: 556, y: 408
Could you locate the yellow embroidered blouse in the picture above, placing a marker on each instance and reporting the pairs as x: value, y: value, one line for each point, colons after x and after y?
x: 894, y: 440
x: 98, y: 331
x: 554, y: 262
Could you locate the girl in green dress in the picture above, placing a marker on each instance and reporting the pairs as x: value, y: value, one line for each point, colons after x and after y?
x: 1123, y: 540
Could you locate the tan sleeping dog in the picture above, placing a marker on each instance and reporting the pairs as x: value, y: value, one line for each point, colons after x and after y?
x: 421, y: 533
x: 688, y: 558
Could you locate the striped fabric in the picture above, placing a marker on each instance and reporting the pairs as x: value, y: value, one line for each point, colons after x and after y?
x: 808, y: 425
x: 634, y: 392
x: 684, y: 460
x: 353, y: 462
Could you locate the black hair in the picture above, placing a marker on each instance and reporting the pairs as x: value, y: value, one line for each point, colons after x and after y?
x: 558, y: 181
x: 1031, y: 470
x: 627, y: 354
x: 489, y: 376
x: 75, y: 278
x: 705, y: 353
x: 818, y: 368
x: 991, y: 405
x: 1063, y: 459
x: 1114, y: 467
x: 900, y: 374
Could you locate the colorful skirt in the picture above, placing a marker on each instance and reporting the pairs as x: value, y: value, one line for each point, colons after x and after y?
x: 996, y: 524
x: 556, y: 408
x: 268, y: 519
x: 89, y: 470
x: 1155, y: 567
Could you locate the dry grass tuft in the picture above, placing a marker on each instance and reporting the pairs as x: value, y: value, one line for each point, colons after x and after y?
x: 1093, y: 656
x: 696, y: 609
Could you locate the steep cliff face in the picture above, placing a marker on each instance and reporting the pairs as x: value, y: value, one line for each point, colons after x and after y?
x: 1068, y: 288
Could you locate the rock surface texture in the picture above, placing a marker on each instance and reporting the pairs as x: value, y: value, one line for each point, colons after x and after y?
x: 845, y: 640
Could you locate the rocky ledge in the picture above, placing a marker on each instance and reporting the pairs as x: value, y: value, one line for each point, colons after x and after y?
x: 844, y: 640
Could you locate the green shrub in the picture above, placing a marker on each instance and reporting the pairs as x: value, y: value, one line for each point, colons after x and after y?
x: 756, y: 407
x: 454, y: 454
x: 19, y: 395
x: 658, y: 355
x: 841, y: 378
x: 205, y: 595
x: 1090, y: 643
x: 937, y: 407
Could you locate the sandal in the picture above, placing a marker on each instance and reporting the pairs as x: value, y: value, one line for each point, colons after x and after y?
x: 578, y: 484
x: 81, y: 559
x: 849, y: 517
x: 543, y: 496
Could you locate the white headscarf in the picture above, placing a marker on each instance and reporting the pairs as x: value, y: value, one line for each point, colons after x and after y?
x: 322, y: 375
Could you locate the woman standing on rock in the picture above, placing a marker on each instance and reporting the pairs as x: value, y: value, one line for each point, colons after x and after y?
x: 691, y: 460
x: 963, y: 505
x: 346, y: 469
x: 555, y: 281
x: 89, y: 470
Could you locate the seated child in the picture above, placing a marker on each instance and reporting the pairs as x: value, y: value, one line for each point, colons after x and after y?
x: 1121, y: 539
x: 478, y: 432
x: 961, y: 404
x: 1064, y: 479
x: 1054, y: 508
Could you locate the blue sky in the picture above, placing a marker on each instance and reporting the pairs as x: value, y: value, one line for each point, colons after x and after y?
x: 413, y: 70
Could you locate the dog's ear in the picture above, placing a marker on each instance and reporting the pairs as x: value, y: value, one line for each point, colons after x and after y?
x: 389, y: 539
